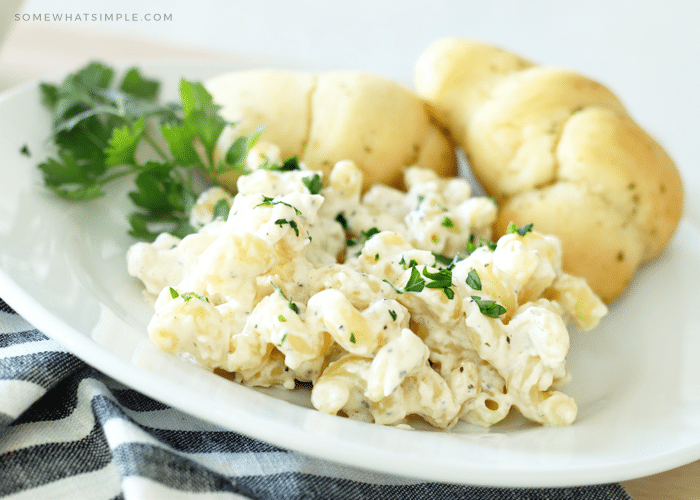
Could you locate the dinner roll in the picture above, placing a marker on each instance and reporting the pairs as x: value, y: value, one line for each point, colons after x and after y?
x: 560, y: 151
x: 327, y: 117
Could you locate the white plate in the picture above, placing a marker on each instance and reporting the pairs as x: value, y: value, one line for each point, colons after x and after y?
x: 636, y: 378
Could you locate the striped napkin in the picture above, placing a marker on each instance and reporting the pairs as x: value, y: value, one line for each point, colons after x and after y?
x: 69, y: 432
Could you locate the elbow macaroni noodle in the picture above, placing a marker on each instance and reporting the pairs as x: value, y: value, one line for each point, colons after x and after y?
x: 361, y: 297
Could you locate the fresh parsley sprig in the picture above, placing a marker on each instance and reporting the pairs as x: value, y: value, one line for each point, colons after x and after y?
x: 102, y: 130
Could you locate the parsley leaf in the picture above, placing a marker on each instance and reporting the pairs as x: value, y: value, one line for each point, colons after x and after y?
x: 483, y: 242
x: 292, y: 224
x: 364, y: 236
x: 473, y: 280
x: 135, y: 84
x: 489, y: 308
x: 187, y: 296
x: 443, y: 259
x: 415, y: 282
x: 522, y: 231
x: 392, y: 286
x: 412, y: 263
x: 164, y: 202
x: 123, y: 143
x: 441, y: 279
x: 340, y: 219
x: 314, y: 184
x: 270, y: 202
x: 193, y: 295
x: 369, y: 233
x: 99, y: 129
x: 293, y: 306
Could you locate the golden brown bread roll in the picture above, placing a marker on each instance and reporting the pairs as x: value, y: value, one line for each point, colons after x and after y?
x: 327, y: 117
x: 560, y: 151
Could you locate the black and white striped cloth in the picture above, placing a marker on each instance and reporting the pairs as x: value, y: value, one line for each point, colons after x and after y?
x: 69, y: 432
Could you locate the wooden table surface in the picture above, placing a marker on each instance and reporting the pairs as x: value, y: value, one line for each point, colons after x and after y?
x: 33, y: 51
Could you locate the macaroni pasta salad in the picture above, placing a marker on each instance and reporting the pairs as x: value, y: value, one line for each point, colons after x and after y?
x: 390, y: 304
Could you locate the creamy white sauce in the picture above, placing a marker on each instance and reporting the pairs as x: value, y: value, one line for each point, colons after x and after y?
x: 275, y: 294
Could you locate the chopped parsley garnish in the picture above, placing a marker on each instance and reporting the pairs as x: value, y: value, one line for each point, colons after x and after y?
x: 443, y: 259
x: 369, y: 233
x: 314, y: 183
x: 412, y: 263
x: 284, y: 337
x: 352, y: 338
x: 447, y: 222
x: 392, y: 314
x: 522, y: 231
x: 340, y: 219
x: 415, y: 282
x: 450, y: 262
x: 471, y: 246
x: 483, y: 242
x: 187, y: 296
x: 440, y: 279
x: 99, y: 125
x: 281, y: 318
x: 473, y: 280
x: 364, y: 236
x: 292, y: 305
x: 292, y: 224
x: 192, y: 295
x: 489, y: 308
x: 270, y: 202
x: 392, y: 286
x: 25, y: 151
